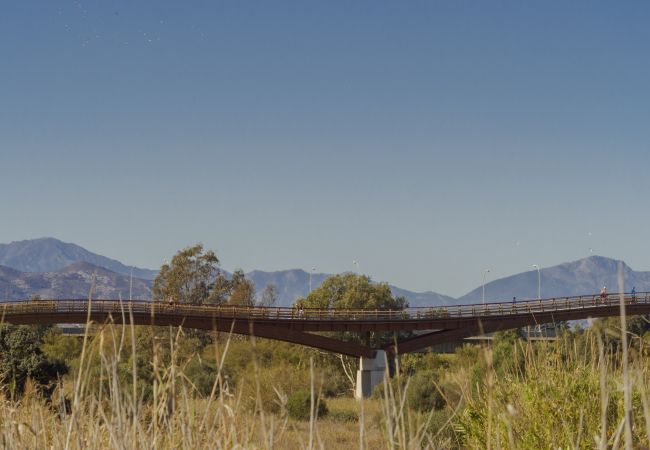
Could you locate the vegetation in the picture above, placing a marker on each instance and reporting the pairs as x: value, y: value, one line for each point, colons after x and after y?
x: 148, y: 387
x: 23, y: 359
x: 194, y: 276
x: 351, y: 291
x: 302, y: 405
x: 162, y: 388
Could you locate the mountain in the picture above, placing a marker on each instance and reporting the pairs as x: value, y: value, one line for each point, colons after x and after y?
x: 291, y: 284
x: 428, y: 298
x: 55, y: 269
x: 73, y: 281
x: 582, y: 277
x: 49, y: 254
x: 294, y: 283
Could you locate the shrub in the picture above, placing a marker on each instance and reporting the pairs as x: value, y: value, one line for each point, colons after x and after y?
x: 202, y: 375
x: 22, y: 359
x: 299, y: 405
x: 344, y: 415
x: 422, y: 394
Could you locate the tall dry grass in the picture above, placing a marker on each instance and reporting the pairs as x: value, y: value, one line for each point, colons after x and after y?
x: 97, y: 408
x: 567, y: 394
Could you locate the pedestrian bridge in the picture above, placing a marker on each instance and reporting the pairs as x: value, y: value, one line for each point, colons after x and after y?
x: 430, y: 326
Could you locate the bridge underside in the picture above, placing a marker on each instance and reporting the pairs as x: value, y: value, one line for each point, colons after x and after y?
x: 301, y: 331
x: 241, y: 326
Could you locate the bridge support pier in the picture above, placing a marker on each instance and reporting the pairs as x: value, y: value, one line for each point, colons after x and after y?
x: 371, y: 372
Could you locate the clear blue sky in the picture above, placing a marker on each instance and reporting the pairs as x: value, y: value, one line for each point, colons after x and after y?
x: 427, y: 140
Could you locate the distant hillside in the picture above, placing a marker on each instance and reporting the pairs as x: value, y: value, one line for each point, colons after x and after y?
x: 55, y: 269
x: 49, y: 254
x: 73, y: 281
x: 294, y: 283
x: 585, y: 276
x: 423, y: 298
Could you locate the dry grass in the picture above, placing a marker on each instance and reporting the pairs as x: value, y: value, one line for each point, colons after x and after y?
x: 91, y: 410
x: 564, y: 396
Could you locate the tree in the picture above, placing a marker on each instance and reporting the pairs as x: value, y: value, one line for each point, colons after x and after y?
x: 194, y: 276
x: 242, y: 290
x: 351, y: 291
x: 61, y: 348
x: 22, y: 358
x: 269, y: 295
x: 190, y: 277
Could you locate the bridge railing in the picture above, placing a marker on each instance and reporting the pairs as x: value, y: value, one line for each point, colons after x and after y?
x: 117, y: 308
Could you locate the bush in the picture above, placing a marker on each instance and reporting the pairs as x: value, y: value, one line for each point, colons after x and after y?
x: 23, y: 359
x: 299, y: 406
x: 278, y: 381
x: 422, y: 390
x: 422, y: 394
x: 202, y: 375
x: 344, y: 415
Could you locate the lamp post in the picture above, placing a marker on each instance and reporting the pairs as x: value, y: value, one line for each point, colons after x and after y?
x: 131, y: 285
x: 485, y: 272
x: 356, y: 263
x: 310, y: 273
x: 539, y: 282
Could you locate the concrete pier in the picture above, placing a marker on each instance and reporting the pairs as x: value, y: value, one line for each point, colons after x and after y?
x: 371, y: 372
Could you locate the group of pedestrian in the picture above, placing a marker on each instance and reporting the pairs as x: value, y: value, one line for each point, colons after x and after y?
x: 603, y: 296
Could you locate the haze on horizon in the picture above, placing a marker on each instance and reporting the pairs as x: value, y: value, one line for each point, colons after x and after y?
x: 426, y: 141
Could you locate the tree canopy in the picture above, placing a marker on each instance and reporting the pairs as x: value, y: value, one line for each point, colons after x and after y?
x: 189, y: 277
x: 351, y: 291
x: 194, y: 276
x: 22, y: 358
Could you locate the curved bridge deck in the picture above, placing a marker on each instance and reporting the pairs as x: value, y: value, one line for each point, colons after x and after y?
x: 449, y: 323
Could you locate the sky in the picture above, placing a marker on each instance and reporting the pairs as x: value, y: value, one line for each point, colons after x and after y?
x: 427, y: 140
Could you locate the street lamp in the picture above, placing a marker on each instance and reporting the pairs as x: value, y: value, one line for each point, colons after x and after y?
x: 539, y: 282
x: 539, y: 295
x: 310, y: 273
x: 131, y: 285
x: 356, y: 263
x: 485, y: 272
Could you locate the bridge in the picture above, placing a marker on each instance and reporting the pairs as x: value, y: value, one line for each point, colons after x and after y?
x: 429, y: 325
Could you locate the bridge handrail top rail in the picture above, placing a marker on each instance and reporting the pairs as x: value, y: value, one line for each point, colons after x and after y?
x: 225, y: 307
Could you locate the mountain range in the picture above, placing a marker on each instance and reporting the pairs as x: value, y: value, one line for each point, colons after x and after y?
x: 584, y: 276
x: 72, y: 282
x: 49, y: 255
x: 53, y: 269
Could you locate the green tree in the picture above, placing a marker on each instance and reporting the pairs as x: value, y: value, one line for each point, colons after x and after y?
x: 192, y: 276
x: 22, y: 358
x: 58, y: 347
x: 351, y: 291
x: 242, y: 290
